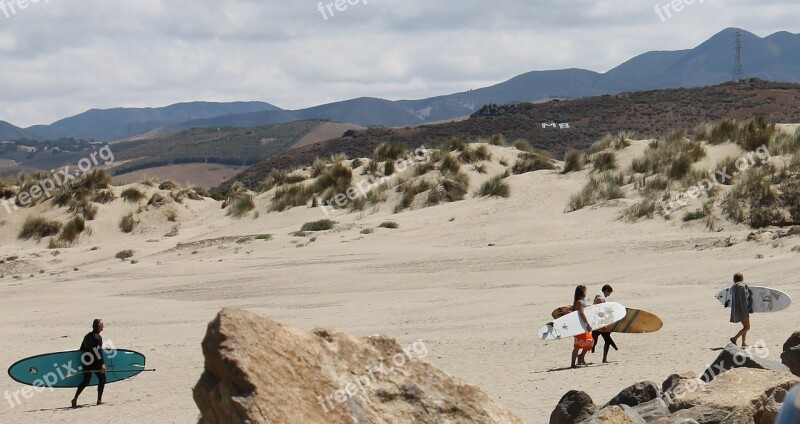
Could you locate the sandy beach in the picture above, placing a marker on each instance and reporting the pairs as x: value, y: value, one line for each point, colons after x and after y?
x: 474, y: 280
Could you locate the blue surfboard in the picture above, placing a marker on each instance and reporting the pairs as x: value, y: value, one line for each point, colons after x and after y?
x: 65, y: 369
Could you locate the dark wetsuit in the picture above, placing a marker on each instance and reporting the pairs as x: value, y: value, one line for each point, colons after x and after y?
x: 92, y: 360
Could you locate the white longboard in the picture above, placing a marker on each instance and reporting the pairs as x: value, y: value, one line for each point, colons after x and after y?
x: 571, y: 324
x: 765, y: 299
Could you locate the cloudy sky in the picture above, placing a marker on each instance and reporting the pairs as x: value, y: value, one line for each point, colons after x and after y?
x: 61, y: 57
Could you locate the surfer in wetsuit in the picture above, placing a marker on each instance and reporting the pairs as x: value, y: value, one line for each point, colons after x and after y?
x: 741, y: 307
x: 583, y: 342
x: 92, y: 361
x: 600, y: 297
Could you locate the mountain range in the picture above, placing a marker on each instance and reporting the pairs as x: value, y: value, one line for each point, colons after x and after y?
x: 772, y: 58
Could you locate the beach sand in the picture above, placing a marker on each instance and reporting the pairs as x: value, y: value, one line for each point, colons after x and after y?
x: 474, y: 280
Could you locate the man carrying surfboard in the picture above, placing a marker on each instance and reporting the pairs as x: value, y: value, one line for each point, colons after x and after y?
x: 583, y: 342
x: 92, y: 360
x: 741, y: 307
x: 600, y: 297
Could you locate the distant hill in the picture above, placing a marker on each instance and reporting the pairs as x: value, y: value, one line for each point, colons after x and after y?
x: 10, y: 132
x: 558, y: 126
x: 226, y: 146
x: 113, y: 124
x: 772, y: 58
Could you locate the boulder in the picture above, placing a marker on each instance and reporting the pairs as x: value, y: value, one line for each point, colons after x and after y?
x: 574, y: 407
x: 792, y: 341
x: 735, y: 357
x: 259, y: 371
x: 698, y: 414
x: 636, y: 394
x: 652, y: 410
x: 791, y: 358
x: 615, y: 414
x: 744, y: 393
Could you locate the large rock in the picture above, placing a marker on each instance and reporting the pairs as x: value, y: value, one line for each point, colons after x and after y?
x: 791, y: 353
x: 574, y: 407
x: 744, y: 393
x: 615, y: 414
x: 652, y: 410
x: 636, y: 394
x: 698, y: 414
x: 792, y: 341
x: 735, y: 357
x: 258, y: 371
x: 791, y: 358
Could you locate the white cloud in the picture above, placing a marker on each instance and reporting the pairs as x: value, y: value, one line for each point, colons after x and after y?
x: 62, y: 57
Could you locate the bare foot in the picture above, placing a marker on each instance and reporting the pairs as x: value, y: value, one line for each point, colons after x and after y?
x: 74, y: 403
x: 573, y: 366
x: 606, y: 362
x: 733, y: 340
x: 100, y: 402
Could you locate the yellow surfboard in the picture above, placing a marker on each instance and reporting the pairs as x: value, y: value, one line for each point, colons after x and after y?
x: 635, y: 321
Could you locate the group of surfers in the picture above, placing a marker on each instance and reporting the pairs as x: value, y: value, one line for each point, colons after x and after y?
x: 741, y: 308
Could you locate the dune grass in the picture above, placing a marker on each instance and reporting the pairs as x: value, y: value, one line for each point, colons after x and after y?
x: 128, y: 223
x: 574, y: 161
x: 242, y: 206
x: 530, y: 162
x: 132, y: 195
x: 495, y: 187
x: 646, y: 208
x: 38, y: 227
x: 321, y: 225
x: 604, y: 161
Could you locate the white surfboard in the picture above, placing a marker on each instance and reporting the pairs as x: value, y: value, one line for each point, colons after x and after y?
x: 765, y: 299
x: 571, y: 324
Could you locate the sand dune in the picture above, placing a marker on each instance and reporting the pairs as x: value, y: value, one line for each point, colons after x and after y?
x: 473, y: 279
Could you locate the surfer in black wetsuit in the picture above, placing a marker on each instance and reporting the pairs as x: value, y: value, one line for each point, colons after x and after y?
x: 92, y: 362
x: 609, y: 342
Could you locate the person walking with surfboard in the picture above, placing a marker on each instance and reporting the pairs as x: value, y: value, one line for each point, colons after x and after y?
x: 741, y: 307
x: 600, y: 297
x: 92, y: 360
x: 583, y: 342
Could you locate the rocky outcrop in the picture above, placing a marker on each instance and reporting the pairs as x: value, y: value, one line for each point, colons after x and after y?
x: 792, y: 341
x: 791, y: 353
x: 574, y: 407
x: 615, y: 414
x: 741, y: 395
x: 636, y: 394
x: 753, y: 394
x: 259, y: 371
x: 735, y: 357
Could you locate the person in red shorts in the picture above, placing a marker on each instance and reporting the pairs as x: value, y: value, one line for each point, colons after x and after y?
x: 583, y: 342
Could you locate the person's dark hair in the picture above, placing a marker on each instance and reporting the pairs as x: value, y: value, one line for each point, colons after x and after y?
x: 738, y: 277
x: 608, y: 288
x: 96, y: 324
x: 580, y: 293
